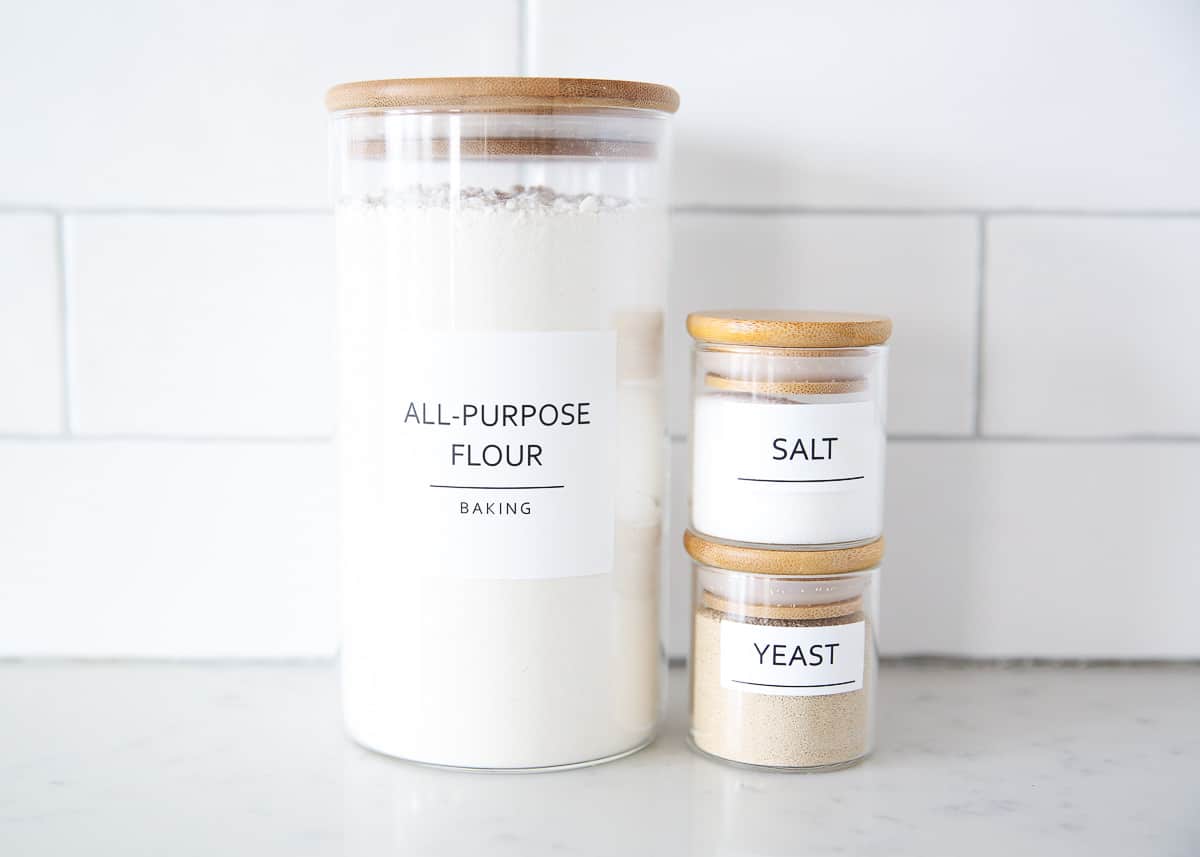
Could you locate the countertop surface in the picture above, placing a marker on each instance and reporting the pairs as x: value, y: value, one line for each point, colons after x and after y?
x: 227, y: 759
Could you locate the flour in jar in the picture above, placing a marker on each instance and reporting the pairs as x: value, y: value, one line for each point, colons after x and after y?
x: 502, y: 443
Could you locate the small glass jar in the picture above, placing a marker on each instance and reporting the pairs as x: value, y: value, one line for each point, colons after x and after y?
x: 788, y: 426
x: 784, y: 662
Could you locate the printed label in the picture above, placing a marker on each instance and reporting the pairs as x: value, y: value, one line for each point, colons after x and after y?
x: 809, y: 446
x: 787, y: 473
x: 782, y: 661
x: 505, y: 453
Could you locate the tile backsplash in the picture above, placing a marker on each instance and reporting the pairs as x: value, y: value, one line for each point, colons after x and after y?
x: 1017, y: 184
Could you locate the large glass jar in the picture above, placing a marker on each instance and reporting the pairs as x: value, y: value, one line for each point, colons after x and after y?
x: 502, y: 249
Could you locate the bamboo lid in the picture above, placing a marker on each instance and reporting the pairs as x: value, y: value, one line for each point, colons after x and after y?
x: 763, y: 560
x: 790, y: 612
x: 501, y: 95
x: 790, y: 328
x: 376, y: 148
x: 785, y: 388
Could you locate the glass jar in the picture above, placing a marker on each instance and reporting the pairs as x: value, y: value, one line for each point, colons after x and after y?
x: 502, y: 247
x: 788, y: 426
x: 784, y: 662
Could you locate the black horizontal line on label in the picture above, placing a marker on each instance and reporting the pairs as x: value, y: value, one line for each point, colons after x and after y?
x: 765, y: 684
x: 839, y: 479
x: 499, y: 487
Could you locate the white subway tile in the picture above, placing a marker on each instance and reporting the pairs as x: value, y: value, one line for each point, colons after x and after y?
x: 921, y: 271
x: 203, y: 324
x: 995, y: 549
x: 31, y: 379
x: 1091, y: 326
x: 1059, y: 550
x: 925, y: 103
x: 167, y: 549
x: 142, y: 103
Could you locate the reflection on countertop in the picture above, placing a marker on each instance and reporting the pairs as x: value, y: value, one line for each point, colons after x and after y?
x: 210, y: 759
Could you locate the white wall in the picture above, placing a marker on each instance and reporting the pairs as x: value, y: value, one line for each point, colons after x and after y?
x: 1017, y: 183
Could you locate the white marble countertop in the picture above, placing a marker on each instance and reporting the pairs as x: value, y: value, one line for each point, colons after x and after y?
x: 151, y: 759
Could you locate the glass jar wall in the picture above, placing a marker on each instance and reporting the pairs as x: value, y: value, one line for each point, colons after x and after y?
x: 502, y: 255
x: 788, y: 426
x: 784, y: 663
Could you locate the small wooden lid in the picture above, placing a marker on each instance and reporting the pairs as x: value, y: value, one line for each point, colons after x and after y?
x: 789, y: 328
x: 501, y: 95
x: 785, y: 388
x: 763, y: 560
x: 792, y: 612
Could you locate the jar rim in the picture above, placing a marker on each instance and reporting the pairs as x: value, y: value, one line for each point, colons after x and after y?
x: 762, y: 559
x: 789, y: 328
x: 501, y: 95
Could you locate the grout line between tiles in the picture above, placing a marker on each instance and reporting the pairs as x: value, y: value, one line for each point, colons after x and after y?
x: 524, y: 38
x: 1079, y: 440
x: 162, y: 211
x: 980, y: 319
x: 1144, y: 439
x: 525, y: 65
x: 66, y: 294
x: 919, y: 211
x: 1099, y: 213
x: 819, y: 210
x: 678, y: 662
x: 141, y: 437
x: 199, y: 661
x: 213, y: 440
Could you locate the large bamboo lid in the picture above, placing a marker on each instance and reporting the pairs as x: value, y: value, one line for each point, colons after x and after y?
x: 501, y: 95
x: 763, y: 560
x: 790, y: 328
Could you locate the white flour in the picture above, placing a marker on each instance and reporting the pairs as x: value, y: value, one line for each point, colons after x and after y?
x: 495, y: 671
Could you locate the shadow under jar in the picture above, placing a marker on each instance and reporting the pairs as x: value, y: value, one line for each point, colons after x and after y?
x: 784, y: 663
x: 788, y: 426
x: 502, y: 264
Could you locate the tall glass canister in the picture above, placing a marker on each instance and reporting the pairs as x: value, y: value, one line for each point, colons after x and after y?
x: 502, y: 250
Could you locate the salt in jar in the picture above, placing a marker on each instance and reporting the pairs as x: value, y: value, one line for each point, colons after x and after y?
x: 788, y: 426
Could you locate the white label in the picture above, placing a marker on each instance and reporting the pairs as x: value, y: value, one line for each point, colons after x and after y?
x: 803, y: 445
x: 785, y: 661
x: 787, y: 473
x: 504, y: 453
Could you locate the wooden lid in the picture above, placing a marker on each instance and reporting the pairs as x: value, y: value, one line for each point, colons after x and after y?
x: 763, y: 560
x: 790, y: 328
x: 501, y: 95
x: 792, y: 612
x: 785, y: 388
x: 376, y: 148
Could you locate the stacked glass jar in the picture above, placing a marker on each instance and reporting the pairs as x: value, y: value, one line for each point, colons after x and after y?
x: 788, y: 447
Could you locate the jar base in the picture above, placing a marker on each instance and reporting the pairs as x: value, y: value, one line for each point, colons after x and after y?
x: 778, y: 769
x: 529, y: 769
